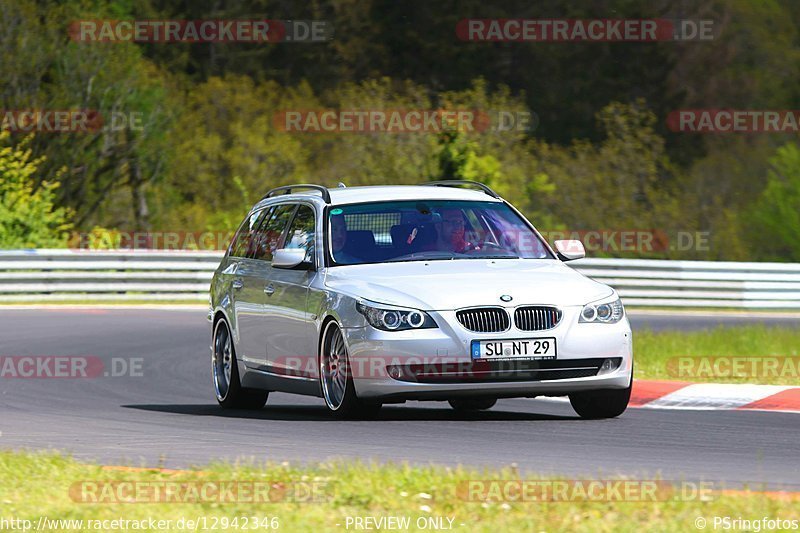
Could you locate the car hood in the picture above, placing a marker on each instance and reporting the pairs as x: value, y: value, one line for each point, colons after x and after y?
x: 447, y: 285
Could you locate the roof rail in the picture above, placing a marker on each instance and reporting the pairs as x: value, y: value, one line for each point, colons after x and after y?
x: 451, y: 183
x: 288, y: 188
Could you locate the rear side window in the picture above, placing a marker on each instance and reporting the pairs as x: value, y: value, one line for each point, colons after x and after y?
x: 301, y: 232
x: 268, y: 236
x: 243, y: 241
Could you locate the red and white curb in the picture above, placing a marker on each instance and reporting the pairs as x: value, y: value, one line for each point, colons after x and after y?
x: 711, y: 396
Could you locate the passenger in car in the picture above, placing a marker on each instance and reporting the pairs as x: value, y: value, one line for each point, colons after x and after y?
x: 339, y: 241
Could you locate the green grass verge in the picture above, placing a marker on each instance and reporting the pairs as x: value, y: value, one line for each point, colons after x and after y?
x: 35, y: 485
x: 738, y: 354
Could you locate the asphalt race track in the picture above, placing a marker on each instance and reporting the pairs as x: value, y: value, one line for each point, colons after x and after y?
x: 167, y: 415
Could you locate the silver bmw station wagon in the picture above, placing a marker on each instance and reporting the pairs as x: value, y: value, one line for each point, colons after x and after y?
x: 443, y: 291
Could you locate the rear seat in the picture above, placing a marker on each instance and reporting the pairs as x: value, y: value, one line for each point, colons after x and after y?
x: 403, y: 242
x: 361, y: 244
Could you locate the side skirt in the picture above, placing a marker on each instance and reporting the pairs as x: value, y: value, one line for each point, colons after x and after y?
x: 254, y: 378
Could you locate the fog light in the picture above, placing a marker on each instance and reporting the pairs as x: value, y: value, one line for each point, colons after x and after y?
x: 609, y: 365
x: 394, y: 372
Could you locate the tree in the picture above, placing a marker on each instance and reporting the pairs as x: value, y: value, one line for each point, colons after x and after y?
x: 28, y: 216
x: 458, y: 159
x: 104, y: 171
x: 625, y: 182
x: 775, y: 217
x: 225, y: 134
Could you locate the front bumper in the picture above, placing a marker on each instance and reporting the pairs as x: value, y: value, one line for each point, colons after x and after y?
x: 436, y: 363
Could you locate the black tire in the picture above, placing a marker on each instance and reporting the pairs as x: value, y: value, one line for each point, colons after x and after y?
x: 227, y: 386
x: 342, y: 402
x: 472, y: 404
x: 607, y: 403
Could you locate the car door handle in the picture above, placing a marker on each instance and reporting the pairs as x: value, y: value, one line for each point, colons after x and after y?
x: 237, y: 284
x: 269, y: 289
x: 231, y: 269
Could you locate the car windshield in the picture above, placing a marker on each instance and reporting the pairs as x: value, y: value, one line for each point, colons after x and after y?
x: 429, y: 230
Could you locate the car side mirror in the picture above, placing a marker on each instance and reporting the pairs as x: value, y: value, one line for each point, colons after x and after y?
x: 569, y: 250
x: 289, y: 258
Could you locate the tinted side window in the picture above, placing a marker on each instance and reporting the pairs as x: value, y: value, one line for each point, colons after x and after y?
x: 268, y: 236
x: 301, y: 232
x: 242, y: 243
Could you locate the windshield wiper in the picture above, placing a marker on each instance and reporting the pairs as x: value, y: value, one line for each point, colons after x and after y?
x: 428, y: 258
x: 452, y: 257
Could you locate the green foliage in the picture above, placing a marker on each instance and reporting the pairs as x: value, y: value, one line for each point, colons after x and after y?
x: 621, y: 183
x: 28, y: 215
x: 372, y: 158
x: 458, y: 159
x: 775, y: 217
x: 225, y: 131
x: 231, y: 128
x: 599, y: 156
x: 103, y: 172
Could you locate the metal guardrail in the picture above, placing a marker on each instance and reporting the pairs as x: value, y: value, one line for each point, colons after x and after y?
x: 75, y: 275
x: 658, y: 283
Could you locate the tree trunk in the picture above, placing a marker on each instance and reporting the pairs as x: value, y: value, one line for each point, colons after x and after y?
x: 141, y: 213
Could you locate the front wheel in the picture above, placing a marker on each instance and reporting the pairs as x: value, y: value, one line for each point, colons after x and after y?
x: 608, y: 403
x: 337, y: 380
x: 225, y: 373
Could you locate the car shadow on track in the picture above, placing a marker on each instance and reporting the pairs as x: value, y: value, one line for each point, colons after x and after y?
x: 311, y: 413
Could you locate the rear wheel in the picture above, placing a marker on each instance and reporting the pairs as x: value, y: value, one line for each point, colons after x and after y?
x: 472, y: 404
x: 608, y: 403
x: 336, y: 379
x: 225, y: 372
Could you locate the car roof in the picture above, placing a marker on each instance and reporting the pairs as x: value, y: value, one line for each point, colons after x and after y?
x: 382, y: 193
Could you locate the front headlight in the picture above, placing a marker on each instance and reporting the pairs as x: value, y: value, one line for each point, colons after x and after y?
x: 390, y: 319
x: 604, y: 313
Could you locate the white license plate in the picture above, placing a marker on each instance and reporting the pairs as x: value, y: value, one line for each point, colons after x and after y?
x: 539, y: 348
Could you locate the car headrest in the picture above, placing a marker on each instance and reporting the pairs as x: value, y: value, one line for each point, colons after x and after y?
x: 401, y: 233
x: 360, y: 240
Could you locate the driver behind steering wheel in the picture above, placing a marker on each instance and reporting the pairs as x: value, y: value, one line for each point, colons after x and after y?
x: 452, y: 232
